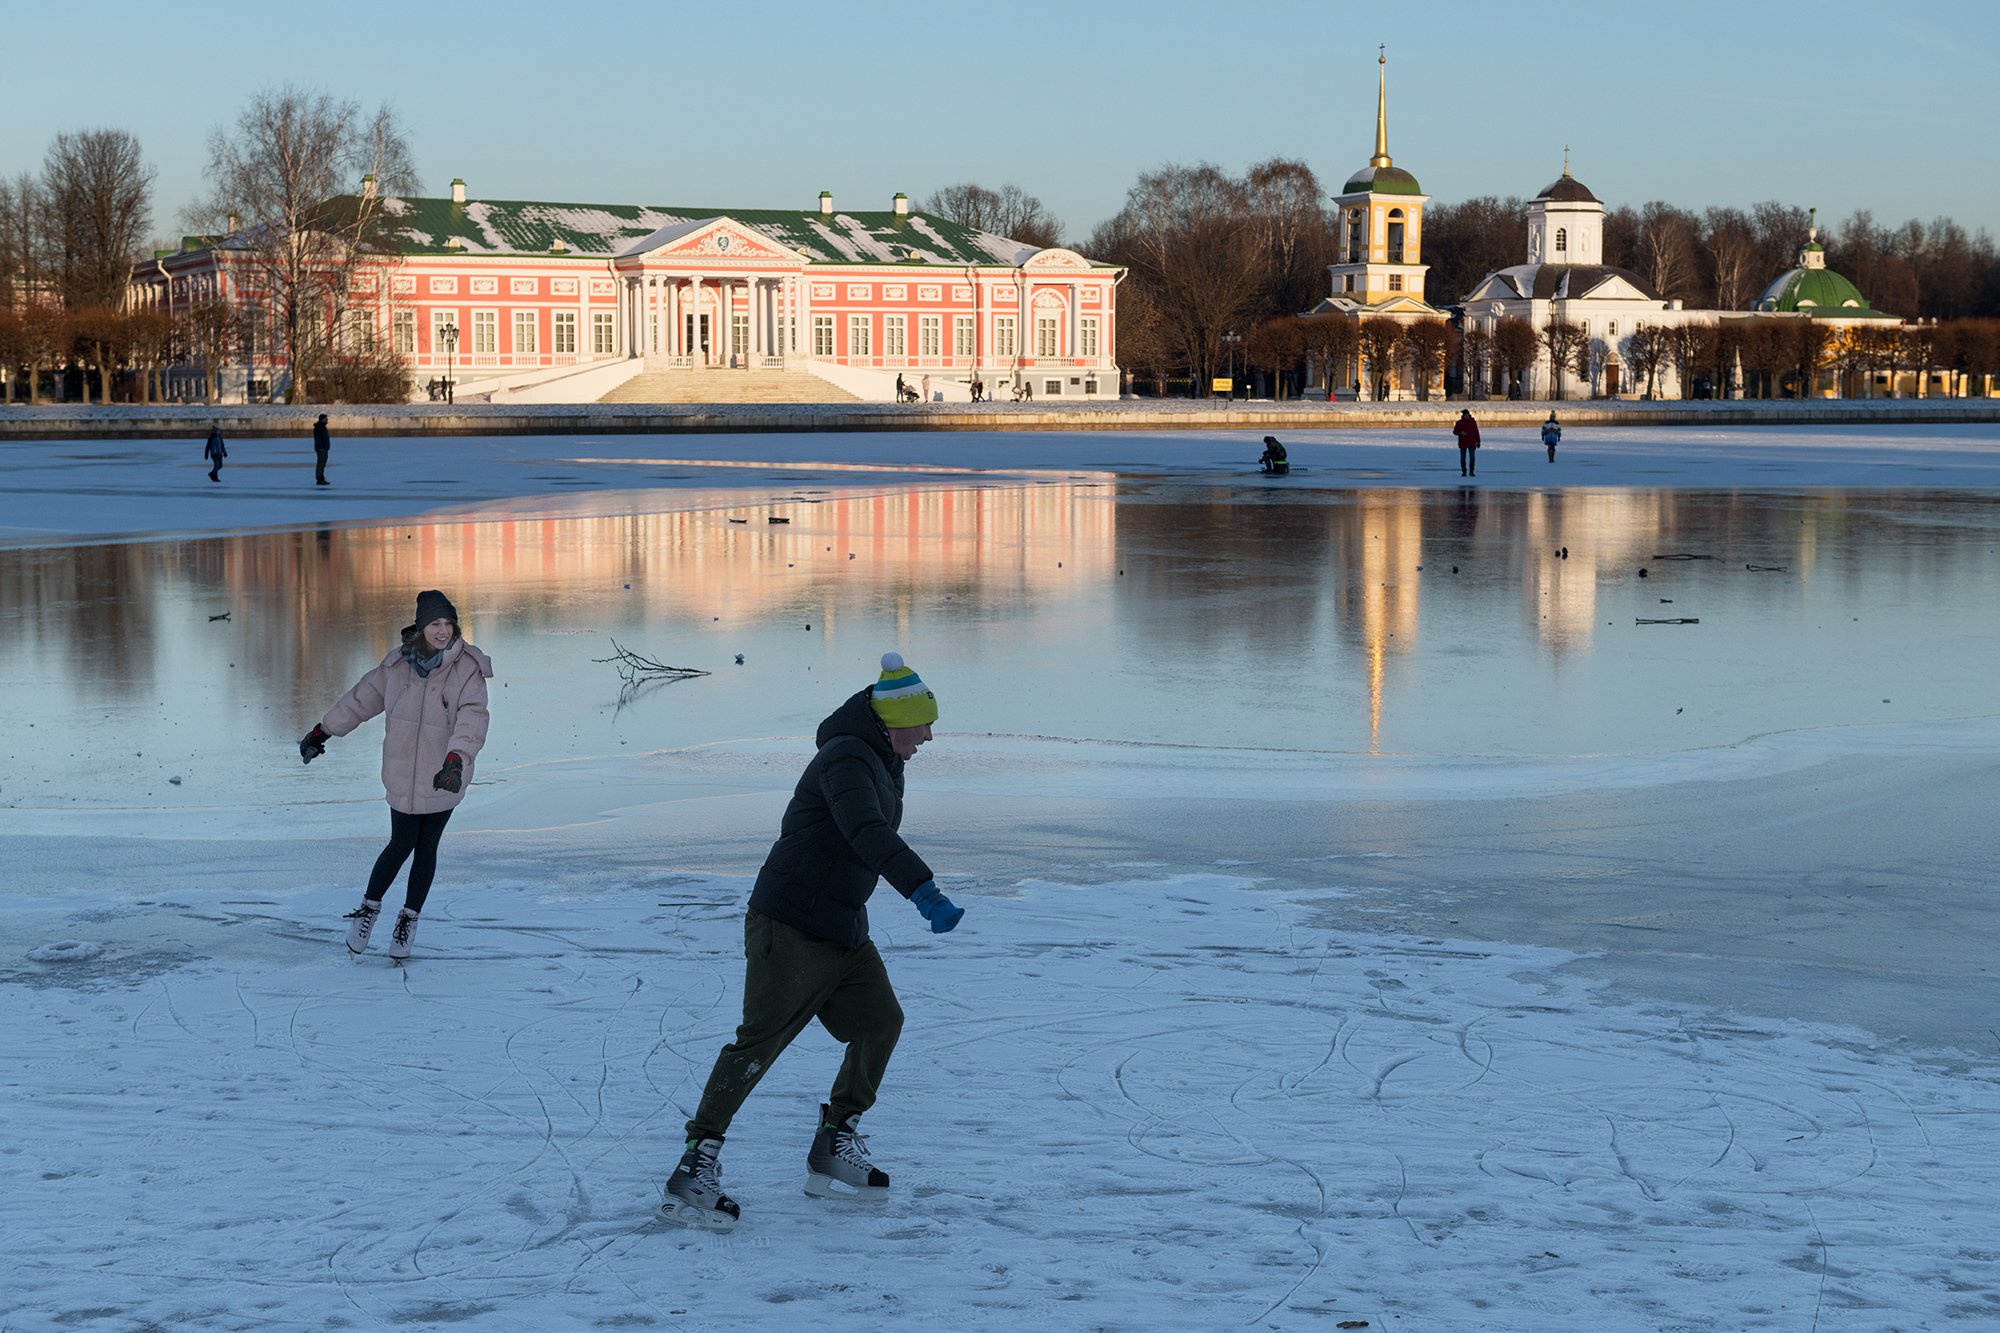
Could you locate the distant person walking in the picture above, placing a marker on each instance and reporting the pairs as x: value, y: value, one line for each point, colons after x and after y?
x: 322, y: 442
x: 431, y: 693
x: 1552, y: 433
x: 215, y: 451
x: 927, y: 388
x: 1467, y: 431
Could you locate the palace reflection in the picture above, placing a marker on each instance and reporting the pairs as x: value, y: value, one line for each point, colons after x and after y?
x: 1341, y: 606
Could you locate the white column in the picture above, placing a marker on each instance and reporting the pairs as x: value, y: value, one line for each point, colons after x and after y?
x: 754, y: 293
x: 673, y: 318
x: 802, y: 312
x: 1024, y: 336
x: 1075, y: 320
x: 694, y: 299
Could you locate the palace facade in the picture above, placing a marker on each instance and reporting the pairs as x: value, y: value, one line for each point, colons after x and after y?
x: 562, y: 302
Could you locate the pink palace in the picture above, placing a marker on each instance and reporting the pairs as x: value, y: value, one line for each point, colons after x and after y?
x: 514, y: 298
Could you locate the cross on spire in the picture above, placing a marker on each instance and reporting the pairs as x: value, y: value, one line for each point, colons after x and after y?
x: 1565, y: 159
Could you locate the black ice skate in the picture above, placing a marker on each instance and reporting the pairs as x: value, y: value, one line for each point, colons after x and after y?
x: 838, y: 1165
x: 360, y: 924
x: 694, y: 1194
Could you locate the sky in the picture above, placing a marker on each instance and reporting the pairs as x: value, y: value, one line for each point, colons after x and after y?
x: 1827, y: 105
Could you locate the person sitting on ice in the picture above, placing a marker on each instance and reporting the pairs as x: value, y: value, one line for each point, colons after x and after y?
x: 1274, y: 460
x: 807, y: 951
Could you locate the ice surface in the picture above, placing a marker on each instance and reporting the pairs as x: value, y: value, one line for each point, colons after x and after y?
x: 1668, y: 1038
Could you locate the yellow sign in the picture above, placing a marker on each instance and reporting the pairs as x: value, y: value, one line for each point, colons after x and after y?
x: 1221, y: 384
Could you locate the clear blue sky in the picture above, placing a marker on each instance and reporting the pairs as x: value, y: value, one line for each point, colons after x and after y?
x: 1839, y: 104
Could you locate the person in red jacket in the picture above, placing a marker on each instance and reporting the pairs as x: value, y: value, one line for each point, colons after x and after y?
x: 1467, y: 431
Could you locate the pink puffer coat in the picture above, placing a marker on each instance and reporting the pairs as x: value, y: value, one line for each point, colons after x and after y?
x: 424, y: 719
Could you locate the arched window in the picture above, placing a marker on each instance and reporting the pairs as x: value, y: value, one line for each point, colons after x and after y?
x: 1395, y: 255
x: 1354, y: 250
x: 1562, y: 240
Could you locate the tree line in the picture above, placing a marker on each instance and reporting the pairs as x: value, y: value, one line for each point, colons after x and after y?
x: 1221, y: 268
x: 281, y: 188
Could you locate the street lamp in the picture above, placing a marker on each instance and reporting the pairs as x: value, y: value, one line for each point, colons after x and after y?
x: 449, y: 332
x: 1232, y: 339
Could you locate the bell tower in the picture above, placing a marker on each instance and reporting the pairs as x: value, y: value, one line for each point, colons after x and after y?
x: 1380, y: 230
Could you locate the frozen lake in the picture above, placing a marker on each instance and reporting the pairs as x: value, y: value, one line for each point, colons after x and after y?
x: 1369, y: 919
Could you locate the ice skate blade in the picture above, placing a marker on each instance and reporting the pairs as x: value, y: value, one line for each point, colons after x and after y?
x: 679, y: 1213
x: 826, y: 1187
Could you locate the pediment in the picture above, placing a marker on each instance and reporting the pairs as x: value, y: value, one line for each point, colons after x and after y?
x: 1495, y: 287
x: 1613, y: 288
x: 1056, y: 257
x: 711, y: 241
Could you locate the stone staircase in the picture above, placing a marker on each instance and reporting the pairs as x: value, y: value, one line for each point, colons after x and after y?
x: 727, y: 386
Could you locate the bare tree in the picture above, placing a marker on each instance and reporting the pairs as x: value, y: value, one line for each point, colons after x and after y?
x: 1565, y: 341
x: 44, y: 342
x: 288, y: 167
x: 1285, y: 199
x: 21, y: 241
x: 1666, y: 249
x: 13, y: 343
x: 1427, y: 344
x: 1692, y: 347
x: 1330, y: 343
x: 1009, y: 211
x: 98, y: 334
x: 1475, y: 359
x: 1730, y: 244
x: 212, y: 329
x: 1188, y: 237
x: 1645, y: 350
x: 98, y: 191
x: 1514, y: 342
x: 1381, y: 342
x: 1466, y: 241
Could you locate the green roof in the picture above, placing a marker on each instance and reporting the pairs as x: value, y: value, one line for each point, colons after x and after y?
x: 1382, y: 180
x: 1821, y: 289
x: 527, y: 227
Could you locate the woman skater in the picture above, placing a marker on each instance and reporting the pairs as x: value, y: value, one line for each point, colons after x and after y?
x: 431, y: 692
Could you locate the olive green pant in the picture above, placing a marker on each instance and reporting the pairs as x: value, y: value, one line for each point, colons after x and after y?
x: 790, y: 979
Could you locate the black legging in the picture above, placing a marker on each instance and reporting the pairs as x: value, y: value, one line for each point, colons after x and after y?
x: 409, y: 833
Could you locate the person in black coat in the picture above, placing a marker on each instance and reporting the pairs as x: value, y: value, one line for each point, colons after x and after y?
x: 214, y: 451
x: 806, y: 946
x: 322, y: 442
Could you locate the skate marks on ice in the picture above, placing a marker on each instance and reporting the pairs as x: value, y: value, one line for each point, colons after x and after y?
x: 1138, y: 1104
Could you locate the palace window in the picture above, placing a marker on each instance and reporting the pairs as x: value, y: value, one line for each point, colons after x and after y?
x: 485, y: 333
x: 1562, y: 240
x: 524, y: 333
x: 822, y: 335
x: 403, y: 332
x: 961, y: 335
x: 857, y: 335
x: 1003, y: 335
x: 930, y: 335
x: 440, y: 318
x: 565, y: 333
x: 1087, y: 337
x: 1045, y: 337
x: 894, y: 341
x: 603, y: 333
x: 739, y: 335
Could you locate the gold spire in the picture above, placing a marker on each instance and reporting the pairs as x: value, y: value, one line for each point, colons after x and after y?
x: 1381, y: 158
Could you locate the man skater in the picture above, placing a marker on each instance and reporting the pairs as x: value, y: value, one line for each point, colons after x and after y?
x: 1467, y: 431
x: 322, y: 442
x: 1552, y: 433
x: 214, y: 451
x: 806, y: 947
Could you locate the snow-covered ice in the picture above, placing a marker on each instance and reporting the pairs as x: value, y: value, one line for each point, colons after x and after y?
x: 1229, y: 1037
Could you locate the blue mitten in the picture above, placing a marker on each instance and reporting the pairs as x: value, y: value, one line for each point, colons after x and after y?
x: 937, y: 908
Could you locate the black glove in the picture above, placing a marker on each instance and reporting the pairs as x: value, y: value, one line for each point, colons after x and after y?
x: 452, y: 776
x: 314, y: 744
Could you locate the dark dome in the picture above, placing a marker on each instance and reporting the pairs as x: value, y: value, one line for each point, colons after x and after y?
x: 1568, y: 190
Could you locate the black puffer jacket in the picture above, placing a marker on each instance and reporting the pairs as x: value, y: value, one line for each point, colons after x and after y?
x: 838, y: 836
